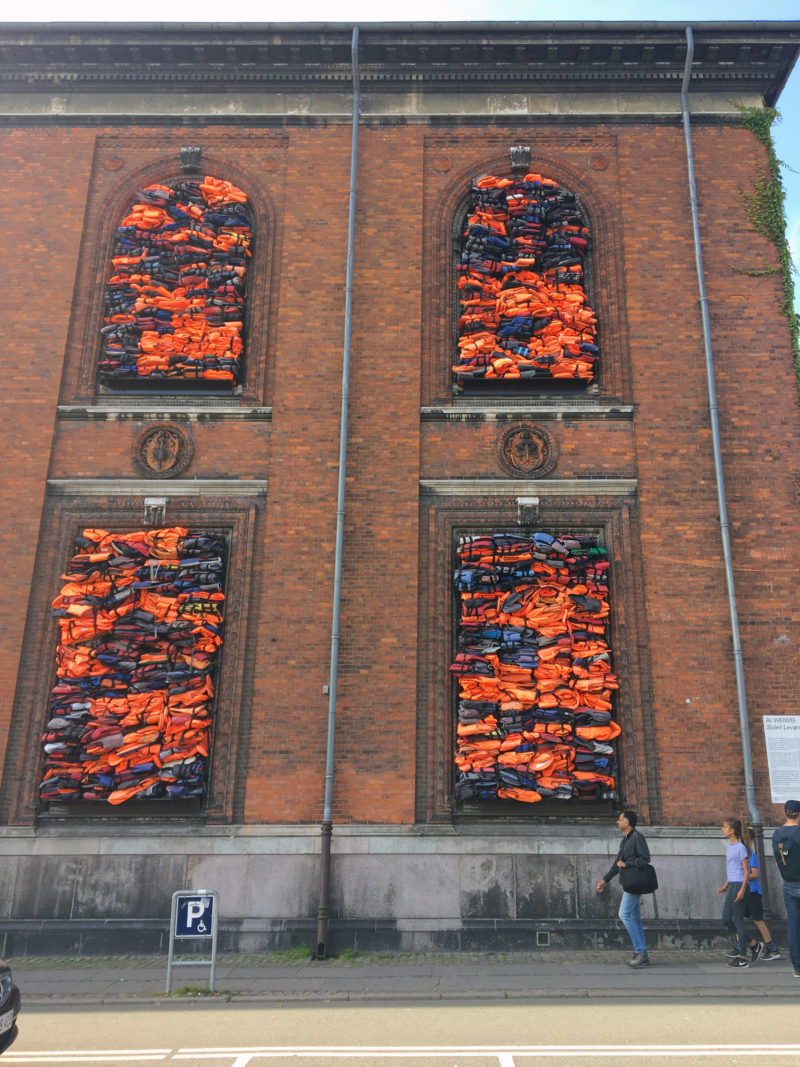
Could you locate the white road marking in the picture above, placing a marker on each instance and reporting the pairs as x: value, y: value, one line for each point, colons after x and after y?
x: 492, y: 1050
x: 504, y: 1055
x: 244, y: 1057
x: 86, y: 1056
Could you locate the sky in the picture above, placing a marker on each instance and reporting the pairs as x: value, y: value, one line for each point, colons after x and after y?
x: 786, y: 133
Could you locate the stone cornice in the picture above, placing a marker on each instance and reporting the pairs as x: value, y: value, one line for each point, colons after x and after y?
x: 527, y: 491
x: 163, y: 487
x: 160, y: 409
x: 746, y: 57
x: 494, y: 412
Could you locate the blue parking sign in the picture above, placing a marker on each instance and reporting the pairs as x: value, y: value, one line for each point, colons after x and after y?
x: 194, y: 915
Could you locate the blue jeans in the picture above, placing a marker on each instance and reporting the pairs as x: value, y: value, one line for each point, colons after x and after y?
x: 733, y: 915
x: 791, y: 899
x: 630, y: 915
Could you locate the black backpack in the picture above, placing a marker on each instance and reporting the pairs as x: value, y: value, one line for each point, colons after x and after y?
x: 787, y: 853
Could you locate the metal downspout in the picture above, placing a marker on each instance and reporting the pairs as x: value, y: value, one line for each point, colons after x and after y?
x: 326, y: 830
x: 744, y: 723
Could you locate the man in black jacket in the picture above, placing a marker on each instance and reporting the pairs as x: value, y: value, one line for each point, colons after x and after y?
x: 633, y: 852
x: 786, y: 848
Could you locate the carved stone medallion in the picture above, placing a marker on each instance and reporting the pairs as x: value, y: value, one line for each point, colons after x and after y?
x: 527, y: 451
x: 163, y: 450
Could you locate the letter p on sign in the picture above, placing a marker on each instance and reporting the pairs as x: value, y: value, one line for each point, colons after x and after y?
x: 194, y: 911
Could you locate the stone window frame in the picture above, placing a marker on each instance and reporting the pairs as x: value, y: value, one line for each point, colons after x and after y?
x: 443, y: 520
x: 605, y: 281
x: 64, y: 519
x: 109, y: 199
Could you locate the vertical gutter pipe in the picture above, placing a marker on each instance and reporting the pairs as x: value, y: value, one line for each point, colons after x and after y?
x: 744, y: 723
x: 326, y: 830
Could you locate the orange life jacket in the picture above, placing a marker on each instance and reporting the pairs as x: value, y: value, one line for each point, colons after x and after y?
x: 529, y: 796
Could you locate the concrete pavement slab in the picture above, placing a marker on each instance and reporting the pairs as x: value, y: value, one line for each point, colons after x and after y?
x: 547, y: 974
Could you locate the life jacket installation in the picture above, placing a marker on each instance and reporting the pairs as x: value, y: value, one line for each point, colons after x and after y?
x: 176, y: 295
x: 523, y: 308
x: 140, y: 618
x: 534, y: 670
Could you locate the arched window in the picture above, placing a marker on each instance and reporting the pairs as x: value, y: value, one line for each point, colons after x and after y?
x: 524, y: 314
x: 175, y: 300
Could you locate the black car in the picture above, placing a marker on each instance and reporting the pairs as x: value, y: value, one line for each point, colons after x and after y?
x: 9, y: 1008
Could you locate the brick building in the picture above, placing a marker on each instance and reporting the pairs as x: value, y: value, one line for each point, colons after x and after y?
x: 621, y: 456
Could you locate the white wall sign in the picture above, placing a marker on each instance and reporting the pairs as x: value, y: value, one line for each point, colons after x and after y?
x: 782, y: 734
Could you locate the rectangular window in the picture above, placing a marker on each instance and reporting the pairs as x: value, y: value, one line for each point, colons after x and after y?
x: 140, y: 619
x: 534, y: 670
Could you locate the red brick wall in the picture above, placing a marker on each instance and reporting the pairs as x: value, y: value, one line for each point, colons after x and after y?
x: 633, y: 181
x: 42, y: 216
x: 105, y: 449
x: 587, y: 448
x: 693, y: 677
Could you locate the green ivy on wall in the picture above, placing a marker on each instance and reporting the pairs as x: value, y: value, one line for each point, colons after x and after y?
x: 764, y: 207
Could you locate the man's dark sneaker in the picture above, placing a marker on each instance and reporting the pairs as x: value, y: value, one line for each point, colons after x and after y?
x: 770, y: 954
x: 641, y: 959
x: 796, y: 974
x: 739, y: 961
x: 756, y: 950
x: 732, y: 952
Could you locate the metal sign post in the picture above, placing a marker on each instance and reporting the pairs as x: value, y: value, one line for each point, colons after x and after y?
x: 194, y: 915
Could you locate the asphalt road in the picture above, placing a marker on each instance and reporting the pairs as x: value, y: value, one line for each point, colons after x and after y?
x: 206, y: 1033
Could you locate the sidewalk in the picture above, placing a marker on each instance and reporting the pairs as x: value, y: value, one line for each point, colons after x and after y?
x: 382, y: 977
